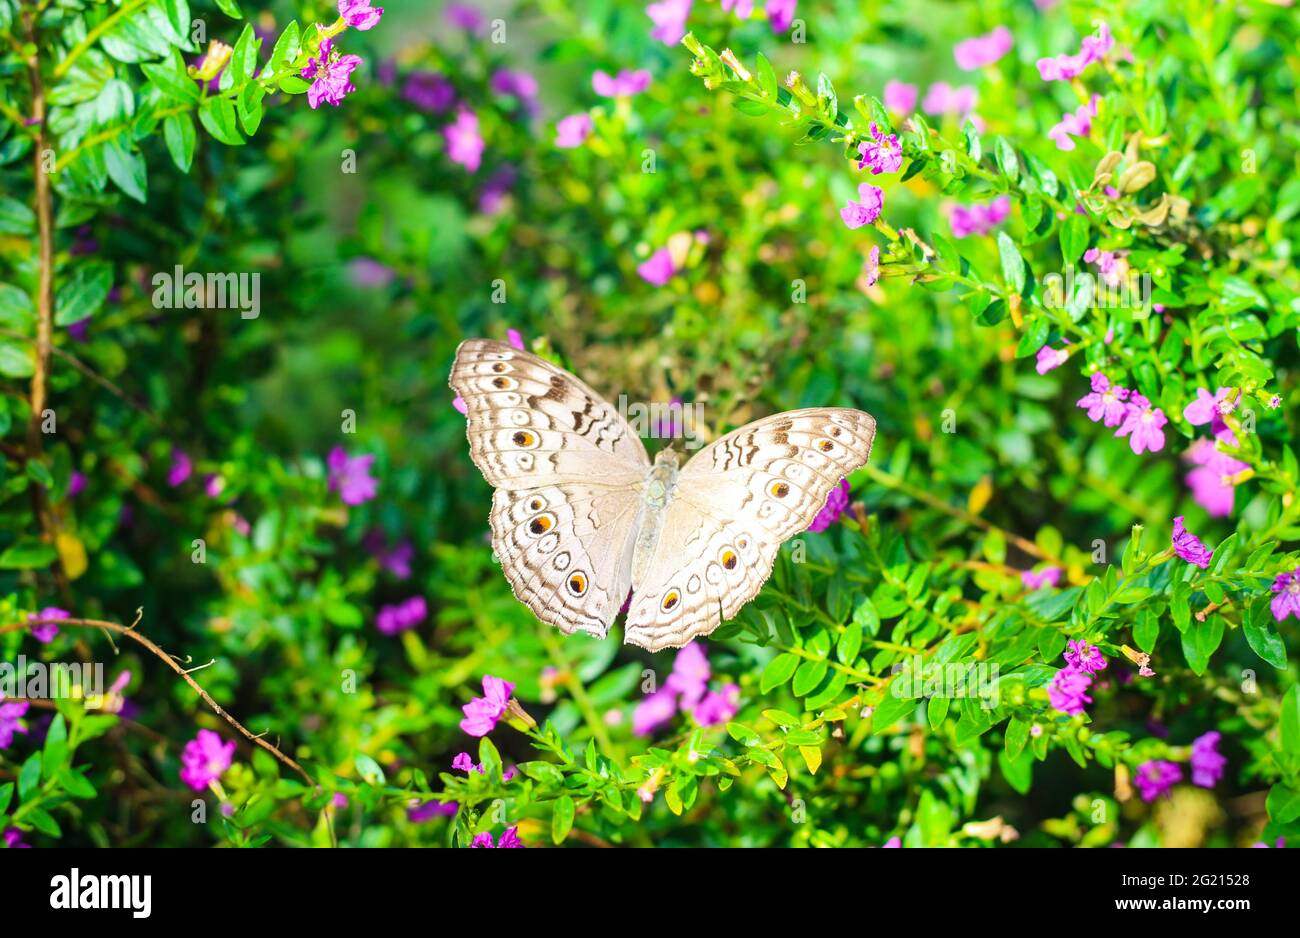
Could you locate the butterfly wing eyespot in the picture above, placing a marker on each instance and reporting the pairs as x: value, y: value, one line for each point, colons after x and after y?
x: 670, y: 600
x: 524, y: 438
x: 826, y: 446
x: 577, y: 583
x: 778, y: 489
x: 728, y: 559
x: 541, y: 524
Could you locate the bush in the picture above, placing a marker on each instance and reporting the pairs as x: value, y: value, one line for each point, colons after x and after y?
x: 1048, y: 246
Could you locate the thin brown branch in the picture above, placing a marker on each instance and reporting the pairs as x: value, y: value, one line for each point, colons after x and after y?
x: 131, y: 633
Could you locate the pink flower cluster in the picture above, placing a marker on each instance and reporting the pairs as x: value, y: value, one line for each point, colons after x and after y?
x: 1076, y: 124
x: 404, y: 615
x: 482, y: 713
x: 1067, y: 67
x: 979, y: 51
x: 687, y: 689
x: 1067, y: 692
x: 205, y: 759
x: 967, y: 220
x: 1188, y: 546
x: 1132, y: 413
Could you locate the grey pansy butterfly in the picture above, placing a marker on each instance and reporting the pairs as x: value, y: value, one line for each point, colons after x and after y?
x: 581, y: 516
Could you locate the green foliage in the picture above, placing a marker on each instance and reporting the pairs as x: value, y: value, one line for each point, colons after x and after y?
x: 893, y: 677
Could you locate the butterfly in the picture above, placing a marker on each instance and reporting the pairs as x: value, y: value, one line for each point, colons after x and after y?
x: 581, y: 516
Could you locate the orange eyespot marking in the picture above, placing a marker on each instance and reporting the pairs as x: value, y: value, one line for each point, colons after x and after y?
x: 541, y: 524
x: 729, y: 559
x: 826, y: 446
x: 671, y: 600
x: 779, y: 489
x: 499, y: 367
x: 500, y: 383
x: 836, y: 432
x: 523, y: 438
x: 743, y: 542
x: 535, y: 505
x: 578, y: 584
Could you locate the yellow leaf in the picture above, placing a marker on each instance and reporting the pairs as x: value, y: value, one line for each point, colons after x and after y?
x: 980, y: 495
x: 72, y: 553
x: 812, y: 757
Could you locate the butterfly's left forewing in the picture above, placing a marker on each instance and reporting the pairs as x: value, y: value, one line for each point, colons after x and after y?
x: 735, y: 503
x: 568, y: 472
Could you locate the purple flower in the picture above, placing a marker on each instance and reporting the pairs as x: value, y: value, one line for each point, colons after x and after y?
x: 1050, y: 358
x: 1142, y: 424
x: 360, y: 14
x: 942, y: 98
x: 1110, y: 264
x: 350, y: 476
x: 1067, y: 692
x: 180, y: 469
x: 1287, y: 601
x: 46, y: 633
x: 717, y: 706
x: 895, y: 843
x: 654, y: 711
x: 330, y: 75
x: 979, y: 51
x: 900, y: 97
x: 871, y: 201
x: 493, y: 194
x: 464, y: 144
x: 1155, y: 778
x: 510, y: 838
x: 780, y: 14
x: 516, y: 83
x: 464, y: 763
x: 515, y: 338
x: 1207, y: 762
x: 1068, y: 67
x: 882, y: 152
x: 1211, y: 482
x: 76, y: 484
x: 1084, y: 657
x: 1188, y: 546
x: 690, y: 674
x: 1209, y: 408
x: 1048, y: 576
x: 482, y: 713
x: 1105, y: 402
x: 368, y: 272
x: 978, y: 219
x: 669, y: 17
x: 204, y: 759
x: 871, y: 273
x: 80, y: 329
x: 626, y: 84
x: 213, y: 485
x: 10, y: 714
x: 742, y: 8
x: 458, y: 402
x: 572, y: 131
x: 463, y: 16
x: 397, y: 560
x: 13, y: 838
x: 405, y: 615
x: 429, y: 91
x: 1076, y: 124
x: 419, y: 813
x: 658, y: 269
x: 837, y: 502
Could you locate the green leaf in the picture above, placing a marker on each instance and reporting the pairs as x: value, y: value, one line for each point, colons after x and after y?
x: 15, y: 217
x: 217, y: 115
x: 1017, y: 770
x: 83, y: 293
x: 29, y: 776
x: 285, y: 50
x: 369, y: 769
x: 1013, y: 265
x: 808, y: 676
x: 750, y: 107
x: 1005, y: 155
x: 244, y: 57
x: 250, y: 107
x: 1074, y: 238
x: 779, y: 670
x: 743, y: 734
x: 1290, y: 721
x: 850, y: 642
x: 174, y: 84
x: 179, y: 135
x: 562, y: 819
x: 56, y: 747
x: 126, y: 168
x: 766, y: 75
x: 230, y: 8
x: 16, y: 311
x: 27, y: 555
x: 891, y: 710
x: 1016, y: 736
x: 1264, y: 639
x: 6, y: 796
x: 1283, y: 804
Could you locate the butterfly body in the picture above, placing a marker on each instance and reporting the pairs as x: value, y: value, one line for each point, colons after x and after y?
x: 581, y: 516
